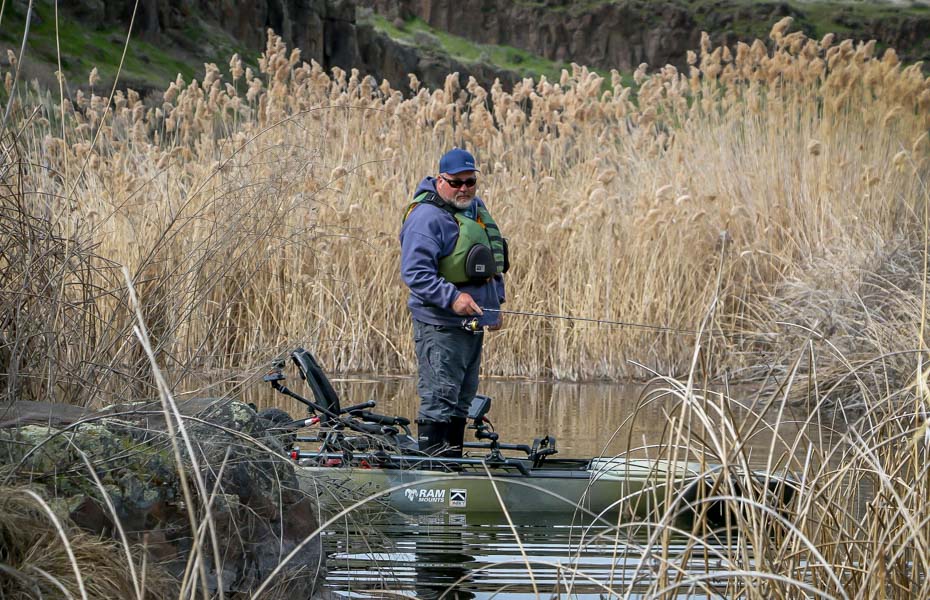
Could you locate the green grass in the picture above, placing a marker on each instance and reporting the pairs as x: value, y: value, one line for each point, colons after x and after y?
x: 527, y: 64
x: 822, y: 16
x: 466, y: 51
x: 816, y: 18
x: 83, y: 48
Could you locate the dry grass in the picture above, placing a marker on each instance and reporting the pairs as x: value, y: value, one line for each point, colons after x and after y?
x: 256, y: 209
x: 41, y: 556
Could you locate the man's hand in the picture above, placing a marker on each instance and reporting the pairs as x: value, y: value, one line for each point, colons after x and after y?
x: 497, y: 326
x: 465, y: 305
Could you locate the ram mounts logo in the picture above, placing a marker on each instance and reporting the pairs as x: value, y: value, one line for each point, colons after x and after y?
x: 431, y: 496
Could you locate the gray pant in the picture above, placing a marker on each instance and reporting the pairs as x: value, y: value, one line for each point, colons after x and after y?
x: 448, y: 360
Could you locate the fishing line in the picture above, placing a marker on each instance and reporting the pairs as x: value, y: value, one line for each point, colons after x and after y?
x: 591, y: 320
x: 472, y: 323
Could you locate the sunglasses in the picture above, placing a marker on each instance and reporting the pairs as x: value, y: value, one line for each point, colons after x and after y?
x: 457, y: 183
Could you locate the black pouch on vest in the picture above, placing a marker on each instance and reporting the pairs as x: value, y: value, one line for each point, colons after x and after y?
x: 506, y: 255
x: 479, y: 262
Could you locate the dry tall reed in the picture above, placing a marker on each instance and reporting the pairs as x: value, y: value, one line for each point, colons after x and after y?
x: 855, y: 524
x: 256, y: 209
x: 780, y: 183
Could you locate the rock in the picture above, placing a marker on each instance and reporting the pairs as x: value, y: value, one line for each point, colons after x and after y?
x: 91, y: 514
x: 340, y: 47
x: 607, y: 35
x: 47, y: 413
x: 87, y: 10
x: 258, y: 512
x: 624, y: 33
x: 327, y: 31
x: 604, y: 35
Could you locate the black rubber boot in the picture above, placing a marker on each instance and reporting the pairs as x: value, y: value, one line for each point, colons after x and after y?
x: 431, y: 436
x: 456, y: 436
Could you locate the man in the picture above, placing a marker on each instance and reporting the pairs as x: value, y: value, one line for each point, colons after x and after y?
x: 452, y: 259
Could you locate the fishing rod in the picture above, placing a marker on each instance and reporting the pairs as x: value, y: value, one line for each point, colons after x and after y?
x: 472, y: 324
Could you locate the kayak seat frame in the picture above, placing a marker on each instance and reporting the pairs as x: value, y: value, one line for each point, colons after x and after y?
x: 328, y: 408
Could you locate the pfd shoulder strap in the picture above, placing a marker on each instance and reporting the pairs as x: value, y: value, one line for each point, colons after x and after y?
x: 434, y: 199
x: 428, y: 197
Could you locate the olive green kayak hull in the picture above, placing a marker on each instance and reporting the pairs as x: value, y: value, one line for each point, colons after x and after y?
x: 631, y: 487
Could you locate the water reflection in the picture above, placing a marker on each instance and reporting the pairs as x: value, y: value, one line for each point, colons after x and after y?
x: 463, y: 556
x: 443, y: 569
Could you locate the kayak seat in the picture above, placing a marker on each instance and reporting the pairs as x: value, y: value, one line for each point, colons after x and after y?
x: 311, y: 371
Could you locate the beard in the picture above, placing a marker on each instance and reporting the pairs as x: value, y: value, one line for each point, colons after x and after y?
x: 461, y: 203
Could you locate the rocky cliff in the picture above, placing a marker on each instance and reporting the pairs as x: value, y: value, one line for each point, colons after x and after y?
x: 624, y: 33
x: 617, y: 34
x: 327, y: 31
x: 324, y: 30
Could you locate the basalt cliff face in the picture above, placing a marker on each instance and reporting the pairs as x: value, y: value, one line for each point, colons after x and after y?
x: 326, y: 31
x: 606, y: 35
x: 617, y: 35
x: 625, y: 33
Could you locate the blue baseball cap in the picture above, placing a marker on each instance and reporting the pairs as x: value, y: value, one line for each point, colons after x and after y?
x: 456, y: 161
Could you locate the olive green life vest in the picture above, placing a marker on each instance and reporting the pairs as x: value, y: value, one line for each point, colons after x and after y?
x: 481, y: 231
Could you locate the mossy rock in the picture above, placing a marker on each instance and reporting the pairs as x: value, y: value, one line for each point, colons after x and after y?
x: 254, y: 489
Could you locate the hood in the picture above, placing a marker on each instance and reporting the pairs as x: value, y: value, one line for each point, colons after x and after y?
x: 427, y: 185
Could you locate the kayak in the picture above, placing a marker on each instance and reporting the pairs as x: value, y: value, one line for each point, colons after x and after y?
x: 357, y: 456
x: 599, y: 486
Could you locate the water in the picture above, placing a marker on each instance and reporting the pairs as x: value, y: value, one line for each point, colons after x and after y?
x: 466, y: 556
x: 461, y: 556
